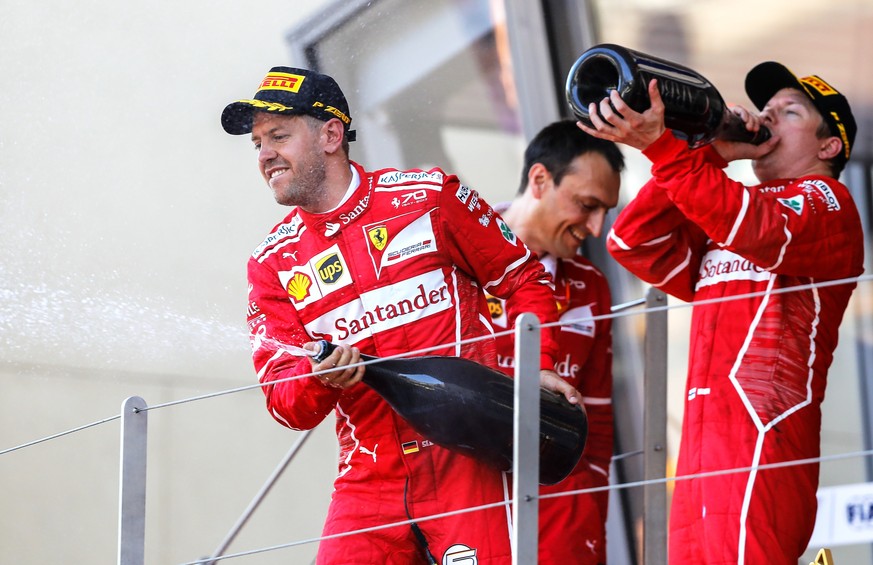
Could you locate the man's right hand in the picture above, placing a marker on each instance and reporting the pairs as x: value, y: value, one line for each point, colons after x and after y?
x: 623, y: 124
x: 342, y: 376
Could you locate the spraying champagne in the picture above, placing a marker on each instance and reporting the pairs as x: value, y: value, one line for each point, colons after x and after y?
x: 467, y: 407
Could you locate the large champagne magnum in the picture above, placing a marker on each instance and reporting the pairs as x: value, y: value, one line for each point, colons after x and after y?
x: 693, y: 108
x: 467, y: 407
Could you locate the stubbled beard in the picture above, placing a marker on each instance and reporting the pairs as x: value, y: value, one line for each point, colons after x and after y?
x: 307, y: 188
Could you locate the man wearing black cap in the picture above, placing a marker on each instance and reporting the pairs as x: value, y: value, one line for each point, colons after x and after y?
x: 381, y: 263
x: 760, y: 348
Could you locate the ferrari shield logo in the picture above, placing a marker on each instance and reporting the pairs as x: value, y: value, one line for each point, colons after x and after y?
x: 379, y: 237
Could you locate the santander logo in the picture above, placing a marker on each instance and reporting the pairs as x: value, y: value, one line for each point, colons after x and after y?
x: 385, y: 308
x: 721, y: 265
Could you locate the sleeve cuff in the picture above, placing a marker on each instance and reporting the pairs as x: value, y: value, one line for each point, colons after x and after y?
x: 668, y: 147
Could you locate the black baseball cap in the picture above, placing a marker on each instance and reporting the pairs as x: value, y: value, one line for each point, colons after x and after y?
x: 290, y: 91
x: 768, y: 78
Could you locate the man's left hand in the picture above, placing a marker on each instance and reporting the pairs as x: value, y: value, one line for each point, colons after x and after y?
x: 551, y: 381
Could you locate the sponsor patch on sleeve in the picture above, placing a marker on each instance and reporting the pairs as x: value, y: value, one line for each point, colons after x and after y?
x: 823, y: 192
x: 795, y: 203
x: 463, y: 194
x: 507, y: 233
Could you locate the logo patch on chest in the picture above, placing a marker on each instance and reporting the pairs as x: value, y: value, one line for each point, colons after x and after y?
x: 399, y: 239
x: 322, y: 275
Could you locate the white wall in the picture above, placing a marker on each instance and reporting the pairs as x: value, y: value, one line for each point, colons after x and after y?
x: 126, y: 218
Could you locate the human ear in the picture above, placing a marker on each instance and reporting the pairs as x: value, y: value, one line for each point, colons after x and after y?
x: 538, y: 178
x: 332, y: 133
x: 830, y: 148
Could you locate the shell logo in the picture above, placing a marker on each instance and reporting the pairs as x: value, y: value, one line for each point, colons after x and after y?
x: 298, y: 286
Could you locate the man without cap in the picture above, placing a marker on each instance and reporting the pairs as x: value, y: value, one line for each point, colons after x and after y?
x: 569, y: 181
x: 379, y: 262
x: 758, y: 364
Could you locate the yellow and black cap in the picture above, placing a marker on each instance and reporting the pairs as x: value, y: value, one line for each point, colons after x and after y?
x: 766, y: 79
x: 290, y: 91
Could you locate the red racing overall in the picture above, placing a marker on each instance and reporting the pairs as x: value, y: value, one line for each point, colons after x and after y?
x: 400, y: 265
x: 758, y: 365
x: 572, y: 528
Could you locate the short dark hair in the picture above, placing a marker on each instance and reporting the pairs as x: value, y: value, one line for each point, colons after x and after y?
x: 315, y: 125
x: 557, y: 144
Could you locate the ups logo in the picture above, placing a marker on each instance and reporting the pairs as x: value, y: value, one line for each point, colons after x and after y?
x: 495, y: 307
x: 330, y: 269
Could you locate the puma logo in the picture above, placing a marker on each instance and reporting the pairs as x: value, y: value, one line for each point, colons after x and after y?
x: 592, y: 545
x: 366, y: 451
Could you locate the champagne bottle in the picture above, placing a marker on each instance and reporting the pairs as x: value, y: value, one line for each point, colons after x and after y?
x: 693, y: 108
x: 467, y: 407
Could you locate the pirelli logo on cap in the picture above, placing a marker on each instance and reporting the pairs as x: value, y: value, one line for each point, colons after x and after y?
x: 282, y: 81
x: 819, y: 85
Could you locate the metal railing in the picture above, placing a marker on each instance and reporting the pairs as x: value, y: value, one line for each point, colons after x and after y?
x: 134, y: 436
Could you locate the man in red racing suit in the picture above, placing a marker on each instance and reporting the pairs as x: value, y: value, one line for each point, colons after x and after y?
x: 758, y: 363
x: 569, y: 182
x: 572, y: 528
x: 389, y: 262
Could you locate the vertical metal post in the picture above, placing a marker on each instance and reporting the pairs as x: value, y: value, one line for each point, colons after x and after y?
x: 132, y: 483
x: 526, y: 445
x: 655, y: 431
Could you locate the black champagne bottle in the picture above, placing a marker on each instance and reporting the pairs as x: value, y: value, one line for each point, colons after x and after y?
x: 467, y: 407
x: 693, y: 108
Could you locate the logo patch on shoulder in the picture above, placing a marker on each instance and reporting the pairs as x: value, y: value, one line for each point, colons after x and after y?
x: 507, y: 233
x: 463, y: 194
x: 824, y: 193
x: 795, y: 203
x: 283, y: 235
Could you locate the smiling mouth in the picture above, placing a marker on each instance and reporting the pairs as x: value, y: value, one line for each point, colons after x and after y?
x: 577, y: 234
x: 276, y: 173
